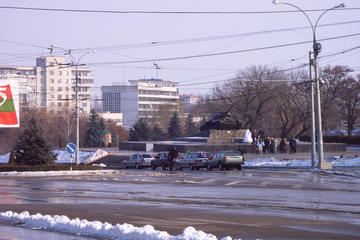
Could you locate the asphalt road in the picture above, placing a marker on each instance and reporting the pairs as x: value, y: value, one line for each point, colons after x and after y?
x: 247, y: 204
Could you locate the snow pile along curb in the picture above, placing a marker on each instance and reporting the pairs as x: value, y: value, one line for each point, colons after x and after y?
x: 98, y: 229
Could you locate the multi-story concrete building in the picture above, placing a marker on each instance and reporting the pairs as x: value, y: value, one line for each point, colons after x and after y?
x: 140, y: 99
x: 51, y: 84
x: 189, y: 100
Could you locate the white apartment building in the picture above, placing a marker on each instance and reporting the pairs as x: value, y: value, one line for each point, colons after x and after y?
x: 139, y: 99
x: 190, y: 100
x: 51, y: 84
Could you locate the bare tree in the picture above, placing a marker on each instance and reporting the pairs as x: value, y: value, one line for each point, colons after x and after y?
x: 348, y: 102
x: 330, y: 91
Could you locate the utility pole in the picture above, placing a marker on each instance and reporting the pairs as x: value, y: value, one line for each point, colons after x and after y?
x: 312, y: 113
x: 77, y: 159
x: 75, y: 63
x: 316, y: 49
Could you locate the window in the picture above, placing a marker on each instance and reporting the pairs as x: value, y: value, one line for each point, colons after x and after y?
x: 59, y: 80
x: 59, y: 96
x: 67, y: 88
x: 51, y: 88
x: 52, y: 96
x: 59, y: 73
x: 59, y: 89
x: 51, y: 72
x: 84, y: 105
x: 59, y: 104
x: 52, y: 80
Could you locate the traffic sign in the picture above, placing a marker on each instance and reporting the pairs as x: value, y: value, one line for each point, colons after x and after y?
x: 70, y: 148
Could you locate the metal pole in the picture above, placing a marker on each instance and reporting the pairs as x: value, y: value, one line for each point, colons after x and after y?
x: 77, y: 114
x: 312, y: 115
x: 318, y: 108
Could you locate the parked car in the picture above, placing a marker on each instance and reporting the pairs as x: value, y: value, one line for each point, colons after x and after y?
x: 160, y: 160
x: 138, y: 161
x: 194, y: 160
x: 226, y: 160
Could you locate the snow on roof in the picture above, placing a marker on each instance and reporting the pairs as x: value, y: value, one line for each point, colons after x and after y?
x: 98, y: 229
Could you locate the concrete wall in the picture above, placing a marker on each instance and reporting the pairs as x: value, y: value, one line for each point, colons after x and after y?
x: 225, y: 136
x: 134, y: 146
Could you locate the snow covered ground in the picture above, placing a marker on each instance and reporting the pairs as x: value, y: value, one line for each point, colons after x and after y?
x: 64, y: 157
x: 295, y: 163
x: 98, y: 229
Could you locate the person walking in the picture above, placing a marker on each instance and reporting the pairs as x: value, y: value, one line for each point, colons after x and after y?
x: 267, y: 145
x: 282, y: 146
x: 173, y: 154
x: 292, y: 145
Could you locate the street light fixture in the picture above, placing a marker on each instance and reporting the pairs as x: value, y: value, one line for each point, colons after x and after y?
x: 316, y: 51
x: 75, y: 63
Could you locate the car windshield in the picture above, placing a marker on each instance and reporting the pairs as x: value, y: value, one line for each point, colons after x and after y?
x: 203, y: 155
x: 146, y: 156
x: 233, y: 153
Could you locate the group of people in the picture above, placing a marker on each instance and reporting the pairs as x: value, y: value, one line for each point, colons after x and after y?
x: 266, y: 144
x: 292, y: 146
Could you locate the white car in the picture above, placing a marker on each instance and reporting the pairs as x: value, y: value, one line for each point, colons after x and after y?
x: 138, y: 161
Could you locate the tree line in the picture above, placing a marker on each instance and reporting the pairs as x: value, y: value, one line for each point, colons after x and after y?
x: 279, y: 101
x: 259, y: 97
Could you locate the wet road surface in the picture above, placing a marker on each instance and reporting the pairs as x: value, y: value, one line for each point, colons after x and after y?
x: 322, y: 204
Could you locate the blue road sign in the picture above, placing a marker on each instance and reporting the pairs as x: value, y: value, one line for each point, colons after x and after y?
x: 70, y: 148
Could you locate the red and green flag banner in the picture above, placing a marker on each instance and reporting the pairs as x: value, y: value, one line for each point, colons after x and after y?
x: 9, y: 104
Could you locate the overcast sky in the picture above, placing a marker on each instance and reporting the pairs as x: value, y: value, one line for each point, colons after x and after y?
x: 145, y: 37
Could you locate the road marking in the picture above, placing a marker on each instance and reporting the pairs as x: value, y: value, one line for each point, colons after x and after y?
x: 232, y: 183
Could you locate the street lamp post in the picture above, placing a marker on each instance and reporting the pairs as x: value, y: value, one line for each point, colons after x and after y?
x: 316, y: 51
x: 76, y: 63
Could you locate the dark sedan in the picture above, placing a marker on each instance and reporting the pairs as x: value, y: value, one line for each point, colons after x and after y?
x: 160, y: 160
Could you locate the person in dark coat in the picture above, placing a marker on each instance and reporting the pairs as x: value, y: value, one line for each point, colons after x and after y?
x: 173, y: 154
x: 267, y: 145
x: 292, y: 145
x: 282, y: 146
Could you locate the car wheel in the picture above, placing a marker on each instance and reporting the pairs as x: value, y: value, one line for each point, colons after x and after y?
x: 124, y: 166
x: 221, y: 167
x: 163, y: 167
x: 239, y: 167
x: 137, y: 166
x: 209, y: 167
x: 191, y: 167
x: 180, y: 168
x: 153, y: 167
x: 197, y: 169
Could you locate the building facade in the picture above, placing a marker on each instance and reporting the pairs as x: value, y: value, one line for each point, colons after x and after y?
x: 189, y: 101
x: 140, y: 99
x: 51, y: 84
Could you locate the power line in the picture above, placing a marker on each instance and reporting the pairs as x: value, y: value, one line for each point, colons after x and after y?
x: 220, y: 53
x: 165, y: 12
x: 201, y: 39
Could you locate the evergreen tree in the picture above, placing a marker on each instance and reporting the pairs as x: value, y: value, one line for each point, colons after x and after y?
x: 190, y: 128
x: 33, y: 148
x: 96, y: 126
x: 157, y: 133
x: 140, y: 131
x: 174, y: 126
